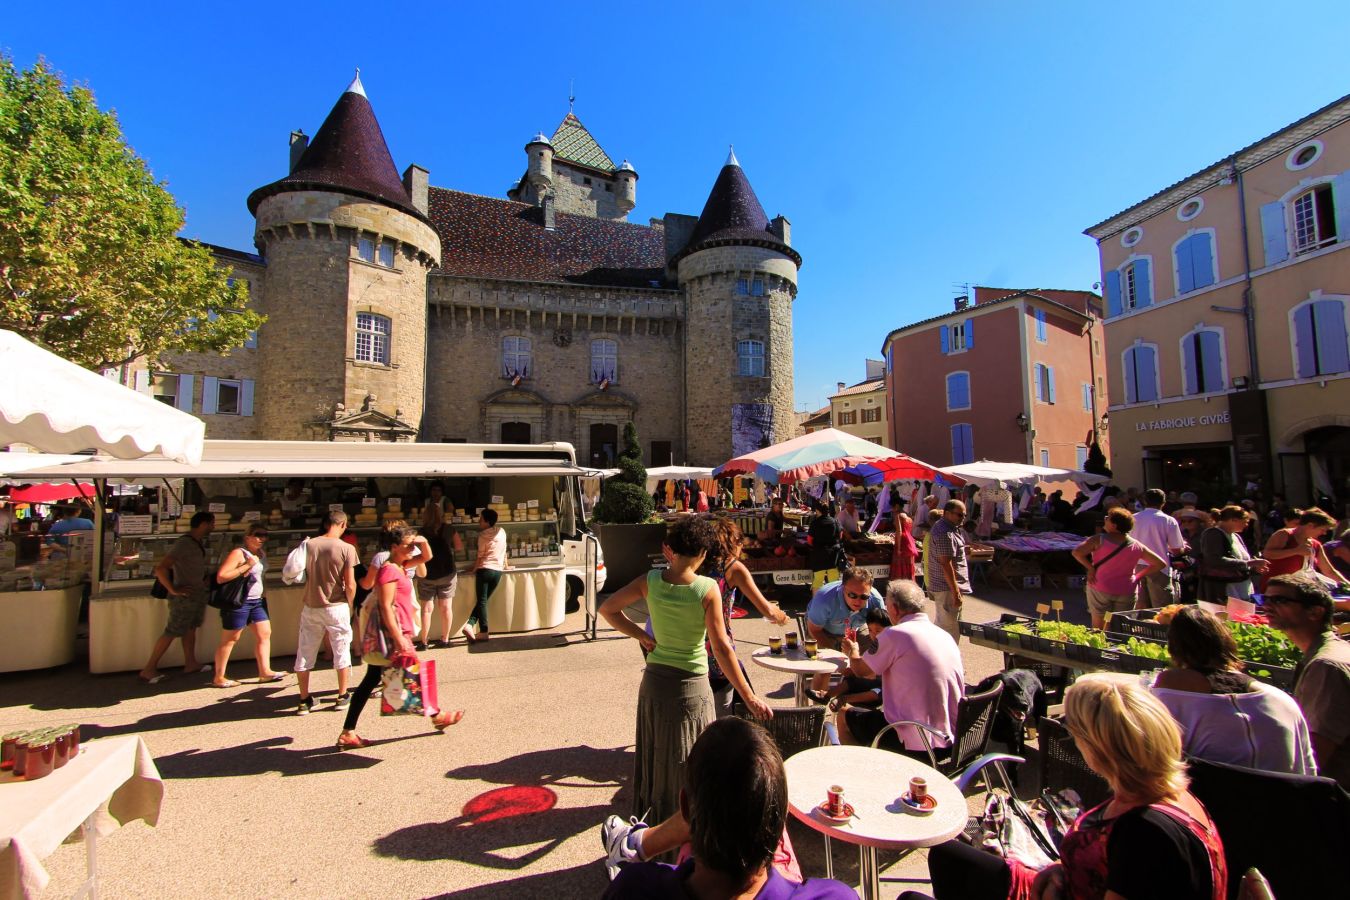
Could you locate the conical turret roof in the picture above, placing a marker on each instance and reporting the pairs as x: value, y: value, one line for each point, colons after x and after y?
x: 733, y: 215
x: 348, y: 155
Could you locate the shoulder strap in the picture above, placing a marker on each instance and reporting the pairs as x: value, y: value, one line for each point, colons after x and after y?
x: 1123, y: 544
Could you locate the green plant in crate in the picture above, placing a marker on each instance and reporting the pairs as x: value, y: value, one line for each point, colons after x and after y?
x: 1146, y: 649
x: 1263, y: 644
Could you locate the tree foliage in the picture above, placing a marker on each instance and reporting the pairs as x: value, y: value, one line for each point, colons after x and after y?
x: 624, y: 498
x: 90, y: 263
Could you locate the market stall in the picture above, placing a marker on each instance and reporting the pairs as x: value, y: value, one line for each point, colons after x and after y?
x: 289, y: 486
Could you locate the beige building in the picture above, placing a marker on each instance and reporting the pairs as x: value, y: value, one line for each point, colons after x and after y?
x: 1228, y: 308
x: 860, y: 409
x: 817, y: 421
x: 399, y: 310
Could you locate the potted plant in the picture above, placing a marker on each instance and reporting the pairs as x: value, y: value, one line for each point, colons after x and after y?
x: 630, y: 541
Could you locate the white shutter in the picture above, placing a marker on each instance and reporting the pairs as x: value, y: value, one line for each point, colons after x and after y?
x: 210, y: 392
x: 246, y: 397
x: 184, y: 399
x: 141, y: 382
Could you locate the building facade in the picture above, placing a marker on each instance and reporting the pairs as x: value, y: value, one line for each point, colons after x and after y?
x: 1030, y: 393
x: 399, y: 310
x: 1228, y: 307
x: 860, y: 409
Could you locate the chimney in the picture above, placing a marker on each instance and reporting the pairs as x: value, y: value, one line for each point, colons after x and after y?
x: 841, y: 388
x: 550, y: 222
x: 299, y: 141
x: 781, y: 228
x: 415, y: 182
x: 962, y: 302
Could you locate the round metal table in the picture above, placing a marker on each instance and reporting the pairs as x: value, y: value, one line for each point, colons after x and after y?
x: 796, y: 662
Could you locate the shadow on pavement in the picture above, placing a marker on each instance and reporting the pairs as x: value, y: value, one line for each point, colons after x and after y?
x: 580, y: 881
x: 501, y: 643
x: 586, y: 766
x: 258, y: 703
x: 258, y: 758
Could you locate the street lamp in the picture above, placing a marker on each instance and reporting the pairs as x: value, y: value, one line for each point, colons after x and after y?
x: 1023, y: 421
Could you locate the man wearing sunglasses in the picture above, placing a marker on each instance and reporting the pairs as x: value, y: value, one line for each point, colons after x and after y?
x: 837, y: 607
x: 1299, y: 606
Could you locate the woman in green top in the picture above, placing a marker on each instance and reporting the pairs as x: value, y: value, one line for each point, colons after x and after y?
x: 675, y: 702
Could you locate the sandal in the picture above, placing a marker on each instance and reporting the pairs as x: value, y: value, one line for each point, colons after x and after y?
x: 227, y: 683
x: 153, y: 679
x: 818, y: 696
x: 444, y: 720
x: 351, y: 742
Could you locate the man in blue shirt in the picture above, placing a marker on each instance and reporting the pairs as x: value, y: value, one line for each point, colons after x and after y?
x: 839, y: 606
x: 69, y: 521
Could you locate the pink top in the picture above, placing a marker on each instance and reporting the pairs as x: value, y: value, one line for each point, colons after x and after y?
x: 922, y: 679
x: 403, y: 602
x: 491, y: 549
x: 1116, y: 576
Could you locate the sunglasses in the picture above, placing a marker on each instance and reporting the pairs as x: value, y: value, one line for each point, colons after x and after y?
x: 853, y: 596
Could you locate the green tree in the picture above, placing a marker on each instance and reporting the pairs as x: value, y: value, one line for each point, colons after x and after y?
x: 90, y: 263
x: 624, y: 498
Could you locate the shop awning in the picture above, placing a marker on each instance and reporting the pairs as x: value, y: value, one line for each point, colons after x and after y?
x: 50, y: 493
x: 13, y: 465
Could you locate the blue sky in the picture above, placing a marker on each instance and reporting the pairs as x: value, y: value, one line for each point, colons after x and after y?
x: 914, y: 146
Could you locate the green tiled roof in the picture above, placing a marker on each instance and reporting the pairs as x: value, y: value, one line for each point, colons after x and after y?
x: 573, y: 143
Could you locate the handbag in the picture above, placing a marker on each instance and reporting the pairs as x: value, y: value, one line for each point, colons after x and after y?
x: 159, y: 591
x: 409, y: 689
x: 377, y: 648
x: 1008, y: 829
x: 232, y: 594
x: 1224, y: 574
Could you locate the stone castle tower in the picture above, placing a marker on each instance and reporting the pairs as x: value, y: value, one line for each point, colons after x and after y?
x: 348, y: 246
x: 572, y: 174
x: 739, y: 276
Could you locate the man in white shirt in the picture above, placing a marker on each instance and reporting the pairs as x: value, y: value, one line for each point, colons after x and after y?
x: 848, y: 519
x: 1160, y: 533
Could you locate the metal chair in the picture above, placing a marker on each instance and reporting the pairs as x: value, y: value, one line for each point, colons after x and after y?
x: 974, y: 726
x: 793, y: 728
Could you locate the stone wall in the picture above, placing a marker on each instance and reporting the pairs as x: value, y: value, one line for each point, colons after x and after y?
x: 572, y: 194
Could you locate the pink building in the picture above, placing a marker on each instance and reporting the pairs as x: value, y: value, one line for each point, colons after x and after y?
x: 1031, y: 391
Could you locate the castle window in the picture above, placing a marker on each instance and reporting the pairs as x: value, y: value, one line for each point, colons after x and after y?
x: 750, y: 358
x: 372, y: 338
x: 386, y: 254
x: 757, y: 287
x: 365, y: 248
x: 516, y: 358
x: 585, y: 181
x: 604, y: 361
x: 609, y: 188
x: 742, y: 286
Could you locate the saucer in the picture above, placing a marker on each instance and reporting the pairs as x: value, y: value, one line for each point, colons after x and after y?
x: 823, y: 810
x: 922, y: 808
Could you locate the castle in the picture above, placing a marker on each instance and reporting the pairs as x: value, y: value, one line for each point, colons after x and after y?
x: 406, y: 312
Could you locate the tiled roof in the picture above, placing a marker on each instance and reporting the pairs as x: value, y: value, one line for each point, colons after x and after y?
x: 573, y: 143
x: 489, y: 238
x: 348, y: 154
x: 819, y: 417
x: 965, y: 313
x: 733, y: 215
x: 862, y: 387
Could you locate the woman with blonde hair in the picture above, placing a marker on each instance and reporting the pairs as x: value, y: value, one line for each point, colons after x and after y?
x: 1151, y: 840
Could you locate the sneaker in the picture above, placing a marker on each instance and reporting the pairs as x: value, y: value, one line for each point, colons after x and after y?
x: 306, y: 706
x: 343, y: 701
x: 420, y: 646
x: 615, y: 836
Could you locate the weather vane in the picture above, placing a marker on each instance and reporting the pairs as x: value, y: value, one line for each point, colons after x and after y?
x: 571, y: 93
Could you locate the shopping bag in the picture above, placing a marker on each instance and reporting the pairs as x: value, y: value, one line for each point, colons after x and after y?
x: 401, y: 692
x: 426, y: 674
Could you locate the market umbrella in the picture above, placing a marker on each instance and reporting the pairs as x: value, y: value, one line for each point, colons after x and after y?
x: 50, y: 493
x: 821, y: 452
x: 986, y: 473
x: 59, y: 407
x: 897, y: 468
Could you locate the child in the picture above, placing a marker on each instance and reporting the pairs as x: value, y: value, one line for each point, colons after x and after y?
x: 853, y: 689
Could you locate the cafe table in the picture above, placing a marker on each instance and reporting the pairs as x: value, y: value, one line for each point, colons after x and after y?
x: 111, y: 782
x: 796, y: 662
x: 873, y: 781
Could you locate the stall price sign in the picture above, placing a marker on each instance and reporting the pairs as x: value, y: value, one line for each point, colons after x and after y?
x: 188, y: 510
x: 498, y: 498
x: 135, y: 525
x: 367, y: 502
x: 252, y: 516
x: 1042, y: 609
x: 395, y: 504
x: 335, y: 507
x: 532, y: 504
x: 214, y: 507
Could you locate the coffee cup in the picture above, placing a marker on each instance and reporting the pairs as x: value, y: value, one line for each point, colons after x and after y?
x: 918, y: 789
x: 776, y: 645
x: 792, y: 640
x: 834, y: 805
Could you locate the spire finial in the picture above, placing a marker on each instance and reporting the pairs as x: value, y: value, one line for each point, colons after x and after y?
x: 571, y: 93
x: 355, y: 87
x: 731, y: 157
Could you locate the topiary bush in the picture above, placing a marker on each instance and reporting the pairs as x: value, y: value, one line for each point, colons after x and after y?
x: 624, y: 499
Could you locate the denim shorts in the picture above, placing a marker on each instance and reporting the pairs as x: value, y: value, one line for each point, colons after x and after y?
x: 251, y: 613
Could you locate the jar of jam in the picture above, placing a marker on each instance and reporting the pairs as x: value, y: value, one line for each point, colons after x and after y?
x: 60, y: 739
x: 41, y: 758
x: 74, y: 740
x: 8, y: 751
x: 21, y: 753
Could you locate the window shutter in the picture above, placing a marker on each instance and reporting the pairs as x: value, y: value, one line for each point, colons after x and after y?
x: 1087, y: 397
x: 210, y: 392
x: 246, y: 397
x: 1131, y: 379
x: 1333, y: 354
x: 1190, y: 382
x: 1040, y: 382
x: 1147, y: 375
x: 942, y: 337
x: 1202, y: 259
x: 968, y: 443
x: 1112, y: 293
x: 1211, y: 360
x: 1040, y: 324
x: 1142, y: 291
x: 970, y: 334
x: 141, y: 382
x: 1050, y: 381
x: 956, y: 445
x: 1273, y: 233
x: 184, y: 399
x: 1340, y: 196
x: 1185, y: 268
x: 1305, y: 358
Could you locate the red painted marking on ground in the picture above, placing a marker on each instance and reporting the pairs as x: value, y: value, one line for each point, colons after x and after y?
x: 503, y: 803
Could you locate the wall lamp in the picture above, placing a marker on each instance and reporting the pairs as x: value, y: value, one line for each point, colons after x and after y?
x: 1023, y: 421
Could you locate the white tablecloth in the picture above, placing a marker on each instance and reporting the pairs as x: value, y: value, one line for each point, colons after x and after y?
x: 114, y: 779
x: 38, y: 629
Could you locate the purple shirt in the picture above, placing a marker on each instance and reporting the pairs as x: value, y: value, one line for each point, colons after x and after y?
x: 922, y: 679
x: 660, y: 881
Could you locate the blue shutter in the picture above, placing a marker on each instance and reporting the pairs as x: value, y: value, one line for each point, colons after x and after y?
x: 1036, y: 376
x: 1190, y: 381
x: 970, y: 334
x: 1143, y: 293
x: 246, y: 397
x: 1340, y: 197
x: 1131, y: 379
x: 210, y: 394
x: 956, y: 445
x: 1050, y: 378
x: 1211, y: 360
x: 1087, y: 397
x: 1333, y: 353
x: 1146, y: 378
x: 1040, y: 324
x: 1185, y: 268
x: 1202, y: 259
x: 1112, y: 294
x: 1305, y: 354
x: 184, y: 399
x: 968, y: 443
x: 1273, y: 234
x: 942, y: 335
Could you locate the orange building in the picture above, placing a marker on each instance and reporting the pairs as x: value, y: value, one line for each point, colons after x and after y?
x: 1029, y: 392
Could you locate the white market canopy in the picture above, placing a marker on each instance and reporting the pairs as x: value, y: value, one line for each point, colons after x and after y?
x: 58, y: 407
x: 14, y: 465
x: 986, y: 474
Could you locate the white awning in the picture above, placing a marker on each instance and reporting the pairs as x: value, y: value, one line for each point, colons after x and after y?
x: 15, y: 464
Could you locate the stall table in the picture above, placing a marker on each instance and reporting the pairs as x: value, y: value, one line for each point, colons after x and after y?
x: 39, y: 628
x: 796, y: 663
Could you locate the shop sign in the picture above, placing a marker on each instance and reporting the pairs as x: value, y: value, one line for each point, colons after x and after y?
x: 252, y: 515
x: 395, y: 504
x: 335, y: 507
x: 188, y: 510
x: 367, y: 502
x: 135, y: 525
x: 215, y: 507
x: 803, y: 576
x: 1184, y: 422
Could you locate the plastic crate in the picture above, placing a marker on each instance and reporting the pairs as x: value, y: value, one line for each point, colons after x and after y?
x: 1139, y: 623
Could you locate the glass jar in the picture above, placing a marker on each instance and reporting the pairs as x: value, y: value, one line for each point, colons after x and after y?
x: 40, y: 759
x: 8, y: 749
x: 74, y: 739
x: 60, y: 739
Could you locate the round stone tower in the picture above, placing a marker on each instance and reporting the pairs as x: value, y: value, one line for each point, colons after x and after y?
x: 625, y: 191
x: 348, y: 246
x: 540, y: 173
x: 739, y: 276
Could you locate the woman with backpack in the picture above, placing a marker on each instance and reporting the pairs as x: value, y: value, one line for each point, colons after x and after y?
x: 1111, y: 559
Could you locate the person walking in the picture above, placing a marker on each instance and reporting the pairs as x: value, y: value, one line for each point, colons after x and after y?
x: 248, y: 561
x: 1160, y: 533
x: 905, y: 551
x: 182, y: 572
x: 437, y: 586
x: 1226, y: 568
x: 675, y: 701
x: 487, y: 573
x: 330, y: 588
x: 392, y: 603
x: 1110, y: 560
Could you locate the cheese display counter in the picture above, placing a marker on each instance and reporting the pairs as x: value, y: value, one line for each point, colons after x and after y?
x: 40, y: 602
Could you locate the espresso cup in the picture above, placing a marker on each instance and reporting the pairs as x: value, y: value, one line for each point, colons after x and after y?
x: 775, y: 645
x: 835, y: 802
x: 792, y: 640
x: 918, y: 789
x: 811, y: 648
